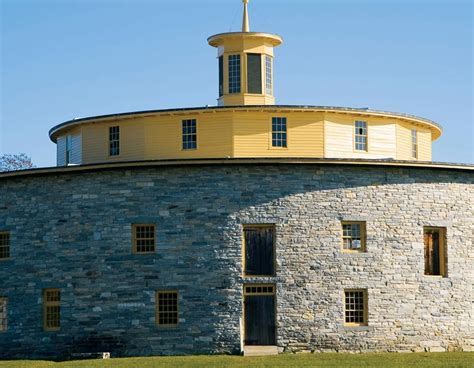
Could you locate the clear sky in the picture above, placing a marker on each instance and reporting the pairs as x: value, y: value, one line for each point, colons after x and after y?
x: 78, y: 58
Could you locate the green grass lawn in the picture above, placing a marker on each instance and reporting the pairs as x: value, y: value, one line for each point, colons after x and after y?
x: 384, y: 360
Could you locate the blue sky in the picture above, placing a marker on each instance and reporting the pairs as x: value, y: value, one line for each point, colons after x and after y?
x: 66, y: 59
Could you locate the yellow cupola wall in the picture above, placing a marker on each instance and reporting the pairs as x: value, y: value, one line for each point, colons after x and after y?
x: 245, y: 65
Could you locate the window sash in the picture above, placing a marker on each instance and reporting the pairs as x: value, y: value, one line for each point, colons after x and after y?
x: 167, y: 314
x: 279, y: 132
x: 360, y: 135
x: 353, y: 234
x: 51, y: 309
x: 189, y: 134
x: 144, y: 236
x: 355, y: 307
x: 234, y: 74
x: 414, y: 143
x: 268, y: 75
x: 4, y: 245
x: 114, y: 141
x: 3, y: 314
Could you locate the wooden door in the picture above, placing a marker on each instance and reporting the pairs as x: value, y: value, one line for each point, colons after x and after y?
x: 259, y: 316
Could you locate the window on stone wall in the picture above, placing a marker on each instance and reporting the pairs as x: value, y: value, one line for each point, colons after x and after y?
x: 189, y: 134
x: 166, y: 308
x: 355, y: 307
x: 353, y: 236
x: 114, y: 141
x: 4, y: 245
x: 435, y: 251
x: 3, y: 314
x: 259, y: 250
x: 279, y: 137
x: 360, y: 135
x: 51, y: 309
x: 143, y: 238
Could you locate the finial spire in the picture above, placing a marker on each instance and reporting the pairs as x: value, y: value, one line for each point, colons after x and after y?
x: 245, y: 21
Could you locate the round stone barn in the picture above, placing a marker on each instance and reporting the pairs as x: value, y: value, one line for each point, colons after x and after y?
x: 245, y: 227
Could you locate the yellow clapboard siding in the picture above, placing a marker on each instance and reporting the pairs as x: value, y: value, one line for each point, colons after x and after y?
x: 95, y: 142
x: 404, y: 142
x: 247, y: 133
x: 252, y: 135
x: 339, y: 137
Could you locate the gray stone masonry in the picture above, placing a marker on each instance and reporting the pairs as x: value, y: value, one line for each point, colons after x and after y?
x: 72, y: 231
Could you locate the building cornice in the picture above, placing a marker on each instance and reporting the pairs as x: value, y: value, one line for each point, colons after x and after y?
x: 236, y: 161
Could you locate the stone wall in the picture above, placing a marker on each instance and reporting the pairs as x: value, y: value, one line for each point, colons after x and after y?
x: 73, y: 231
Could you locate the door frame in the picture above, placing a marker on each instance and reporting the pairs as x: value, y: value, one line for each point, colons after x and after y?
x: 259, y: 289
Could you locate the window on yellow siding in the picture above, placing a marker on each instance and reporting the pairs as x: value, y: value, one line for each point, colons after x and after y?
x: 189, y: 134
x: 360, y: 136
x: 353, y: 236
x: 114, y: 141
x: 355, y: 307
x: 414, y: 143
x: 3, y: 314
x: 167, y: 308
x: 4, y: 245
x: 435, y: 251
x: 143, y: 238
x: 51, y: 309
x: 279, y: 137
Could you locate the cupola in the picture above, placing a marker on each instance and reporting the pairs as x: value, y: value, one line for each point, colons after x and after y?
x: 245, y: 65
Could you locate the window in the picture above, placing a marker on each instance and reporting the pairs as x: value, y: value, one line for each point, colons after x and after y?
x: 279, y: 132
x: 4, y: 245
x: 435, y: 251
x: 414, y: 143
x: 189, y: 134
x: 221, y: 76
x: 167, y: 308
x: 68, y: 149
x: 143, y: 238
x: 353, y: 236
x: 234, y: 73
x: 355, y: 307
x: 360, y: 137
x: 51, y: 309
x: 114, y: 141
x: 268, y: 75
x: 3, y: 314
x: 254, y: 73
x: 259, y: 250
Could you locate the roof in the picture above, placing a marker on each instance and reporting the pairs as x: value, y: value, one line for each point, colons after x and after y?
x: 69, y: 123
x: 237, y: 161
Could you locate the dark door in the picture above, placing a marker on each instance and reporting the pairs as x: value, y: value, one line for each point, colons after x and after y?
x: 259, y: 320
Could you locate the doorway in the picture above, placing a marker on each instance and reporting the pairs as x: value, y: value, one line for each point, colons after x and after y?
x: 259, y: 315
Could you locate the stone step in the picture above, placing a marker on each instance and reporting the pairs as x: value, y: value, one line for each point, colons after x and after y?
x: 260, y: 350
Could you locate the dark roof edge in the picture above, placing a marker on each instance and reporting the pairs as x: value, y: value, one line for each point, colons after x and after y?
x: 236, y: 161
x: 183, y: 109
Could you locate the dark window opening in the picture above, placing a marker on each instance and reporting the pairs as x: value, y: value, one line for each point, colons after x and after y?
x: 259, y: 250
x: 221, y: 76
x: 254, y: 73
x: 435, y: 253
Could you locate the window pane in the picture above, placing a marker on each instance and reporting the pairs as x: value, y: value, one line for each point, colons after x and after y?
x: 234, y: 73
x: 189, y: 134
x: 279, y: 133
x: 4, y: 245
